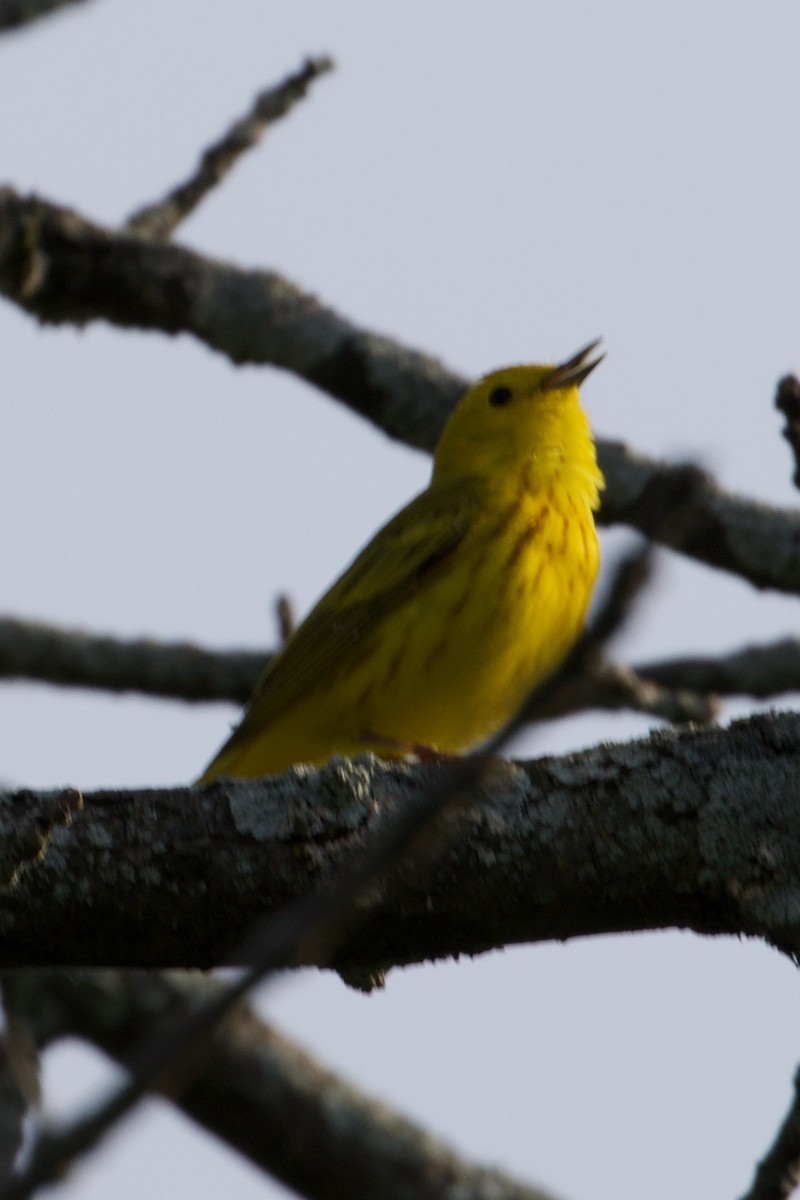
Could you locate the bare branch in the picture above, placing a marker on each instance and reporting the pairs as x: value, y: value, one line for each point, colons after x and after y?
x: 694, y: 829
x: 72, y: 658
x: 787, y: 401
x: 13, y: 1108
x: 723, y: 530
x: 778, y: 1173
x: 612, y: 686
x: 16, y: 13
x: 759, y: 671
x: 605, y: 684
x: 287, y: 622
x: 630, y: 576
x: 62, y: 268
x: 262, y: 1094
x: 160, y: 220
x: 600, y: 683
x: 183, y: 671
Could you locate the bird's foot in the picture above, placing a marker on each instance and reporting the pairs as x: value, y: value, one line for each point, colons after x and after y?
x: 388, y: 747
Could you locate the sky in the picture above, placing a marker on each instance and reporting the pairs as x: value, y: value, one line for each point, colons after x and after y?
x: 489, y: 183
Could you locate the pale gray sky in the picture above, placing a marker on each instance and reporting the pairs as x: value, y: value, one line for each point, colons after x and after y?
x: 490, y: 183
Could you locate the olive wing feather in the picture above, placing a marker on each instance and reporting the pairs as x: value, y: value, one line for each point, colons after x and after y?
x: 401, y: 561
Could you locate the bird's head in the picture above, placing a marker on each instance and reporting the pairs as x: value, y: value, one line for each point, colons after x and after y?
x: 524, y: 418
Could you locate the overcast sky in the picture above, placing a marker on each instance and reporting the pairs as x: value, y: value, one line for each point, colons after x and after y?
x: 490, y: 183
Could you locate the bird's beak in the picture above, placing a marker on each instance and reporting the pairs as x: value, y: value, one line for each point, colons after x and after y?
x: 574, y: 370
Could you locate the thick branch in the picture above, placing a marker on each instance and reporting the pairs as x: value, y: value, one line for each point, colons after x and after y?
x: 697, y: 829
x: 263, y: 1095
x: 62, y: 268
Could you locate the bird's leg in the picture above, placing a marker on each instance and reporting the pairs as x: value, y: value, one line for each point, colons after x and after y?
x: 389, y: 747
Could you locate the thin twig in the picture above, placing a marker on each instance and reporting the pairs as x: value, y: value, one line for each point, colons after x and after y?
x: 599, y: 683
x: 159, y: 220
x: 284, y: 612
x: 612, y: 687
x: 631, y: 575
x: 778, y: 1173
x: 787, y: 401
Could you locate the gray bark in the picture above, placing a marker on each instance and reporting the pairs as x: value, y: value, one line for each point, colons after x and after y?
x: 692, y: 829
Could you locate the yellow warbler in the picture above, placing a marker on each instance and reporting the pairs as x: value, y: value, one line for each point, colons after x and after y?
x: 460, y: 605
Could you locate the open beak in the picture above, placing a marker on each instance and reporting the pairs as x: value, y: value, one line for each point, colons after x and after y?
x: 574, y: 370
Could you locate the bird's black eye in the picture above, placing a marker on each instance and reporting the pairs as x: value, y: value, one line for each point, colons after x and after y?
x: 500, y: 395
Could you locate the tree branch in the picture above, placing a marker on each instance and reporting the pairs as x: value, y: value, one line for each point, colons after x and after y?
x: 178, y: 670
x: 182, y: 671
x: 759, y: 671
x: 259, y: 1092
x: 778, y: 1174
x: 695, y: 829
x: 160, y: 220
x: 787, y: 401
x: 62, y: 268
x: 613, y: 687
x: 16, y: 13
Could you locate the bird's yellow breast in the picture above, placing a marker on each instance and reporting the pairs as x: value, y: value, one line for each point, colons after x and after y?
x: 515, y: 600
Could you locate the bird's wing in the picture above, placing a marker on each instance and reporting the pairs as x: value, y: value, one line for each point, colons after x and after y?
x: 400, y: 562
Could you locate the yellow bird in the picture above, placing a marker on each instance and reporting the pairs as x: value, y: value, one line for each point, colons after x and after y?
x: 470, y: 596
